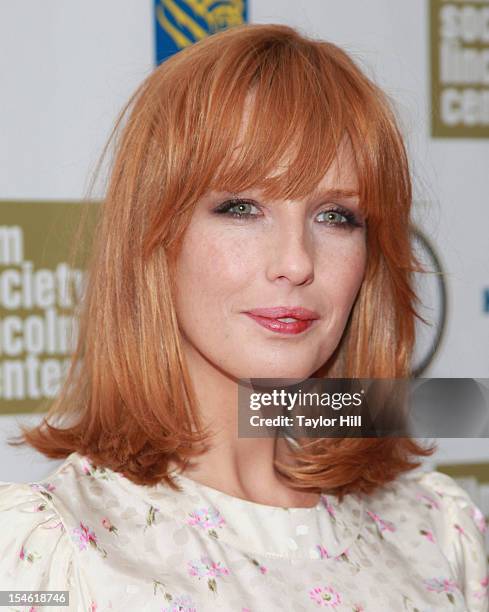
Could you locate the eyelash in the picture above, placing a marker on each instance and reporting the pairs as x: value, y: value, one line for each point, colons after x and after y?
x: 351, y: 219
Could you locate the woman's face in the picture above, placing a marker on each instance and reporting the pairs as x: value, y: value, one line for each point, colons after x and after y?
x: 306, y: 253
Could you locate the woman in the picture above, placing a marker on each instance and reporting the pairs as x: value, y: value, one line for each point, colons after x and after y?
x: 244, y: 179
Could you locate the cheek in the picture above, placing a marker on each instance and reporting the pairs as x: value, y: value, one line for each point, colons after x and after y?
x: 342, y: 276
x: 211, y: 268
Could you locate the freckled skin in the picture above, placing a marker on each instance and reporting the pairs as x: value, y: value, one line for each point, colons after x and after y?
x: 283, y: 257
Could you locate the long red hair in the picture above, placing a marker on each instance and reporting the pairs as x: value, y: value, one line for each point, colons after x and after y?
x: 127, y: 401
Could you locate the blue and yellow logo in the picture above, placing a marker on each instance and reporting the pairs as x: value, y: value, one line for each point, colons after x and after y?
x: 179, y: 23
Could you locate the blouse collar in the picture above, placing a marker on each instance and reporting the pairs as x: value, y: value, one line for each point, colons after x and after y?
x: 325, y: 530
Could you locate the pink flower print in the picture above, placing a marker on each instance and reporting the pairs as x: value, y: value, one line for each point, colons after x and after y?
x: 42, y: 486
x: 83, y: 535
x: 429, y: 502
x: 90, y: 469
x: 460, y: 529
x: 323, y: 553
x: 479, y: 519
x: 207, y: 518
x: 25, y: 555
x: 343, y: 556
x: 183, y: 603
x: 325, y: 596
x: 358, y: 608
x: 108, y: 525
x: 206, y: 567
x: 86, y: 467
x: 442, y: 585
x: 482, y: 592
x: 33, y: 609
x: 329, y: 507
x: 44, y: 489
x: 262, y: 568
x: 92, y: 607
x: 381, y: 523
x: 428, y: 534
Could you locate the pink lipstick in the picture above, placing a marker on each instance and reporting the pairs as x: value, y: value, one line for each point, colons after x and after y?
x: 297, y: 318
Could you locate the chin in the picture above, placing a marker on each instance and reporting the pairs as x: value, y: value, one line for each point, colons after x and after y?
x: 266, y: 370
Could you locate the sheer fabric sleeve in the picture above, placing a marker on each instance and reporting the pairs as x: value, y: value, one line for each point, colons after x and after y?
x: 36, y: 553
x: 461, y: 533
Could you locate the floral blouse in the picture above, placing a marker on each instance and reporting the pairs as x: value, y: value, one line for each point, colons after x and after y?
x: 415, y: 544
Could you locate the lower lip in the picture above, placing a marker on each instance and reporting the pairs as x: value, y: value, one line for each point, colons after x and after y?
x: 297, y: 327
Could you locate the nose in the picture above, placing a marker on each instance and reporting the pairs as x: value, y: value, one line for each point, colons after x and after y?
x: 291, y: 258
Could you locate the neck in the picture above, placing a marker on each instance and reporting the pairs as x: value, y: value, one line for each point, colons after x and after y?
x: 241, y: 467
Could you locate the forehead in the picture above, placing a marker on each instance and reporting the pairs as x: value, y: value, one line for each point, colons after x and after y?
x: 342, y: 168
x: 341, y: 173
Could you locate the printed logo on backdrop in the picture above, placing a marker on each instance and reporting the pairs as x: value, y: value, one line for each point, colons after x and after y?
x: 38, y: 291
x: 430, y: 287
x: 179, y: 23
x: 459, y: 32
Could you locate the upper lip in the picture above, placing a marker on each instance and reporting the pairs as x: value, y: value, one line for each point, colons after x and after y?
x: 296, y: 312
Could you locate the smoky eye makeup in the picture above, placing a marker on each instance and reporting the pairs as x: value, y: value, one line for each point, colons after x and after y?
x: 246, y: 209
x: 237, y: 207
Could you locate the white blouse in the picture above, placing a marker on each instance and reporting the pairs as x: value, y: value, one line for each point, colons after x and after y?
x: 415, y: 544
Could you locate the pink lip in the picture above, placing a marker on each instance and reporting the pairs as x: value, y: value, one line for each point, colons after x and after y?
x: 268, y: 318
x: 297, y: 312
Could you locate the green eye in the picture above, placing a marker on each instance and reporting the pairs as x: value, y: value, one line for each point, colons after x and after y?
x: 236, y: 208
x: 242, y: 209
x: 330, y: 217
x: 340, y: 217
